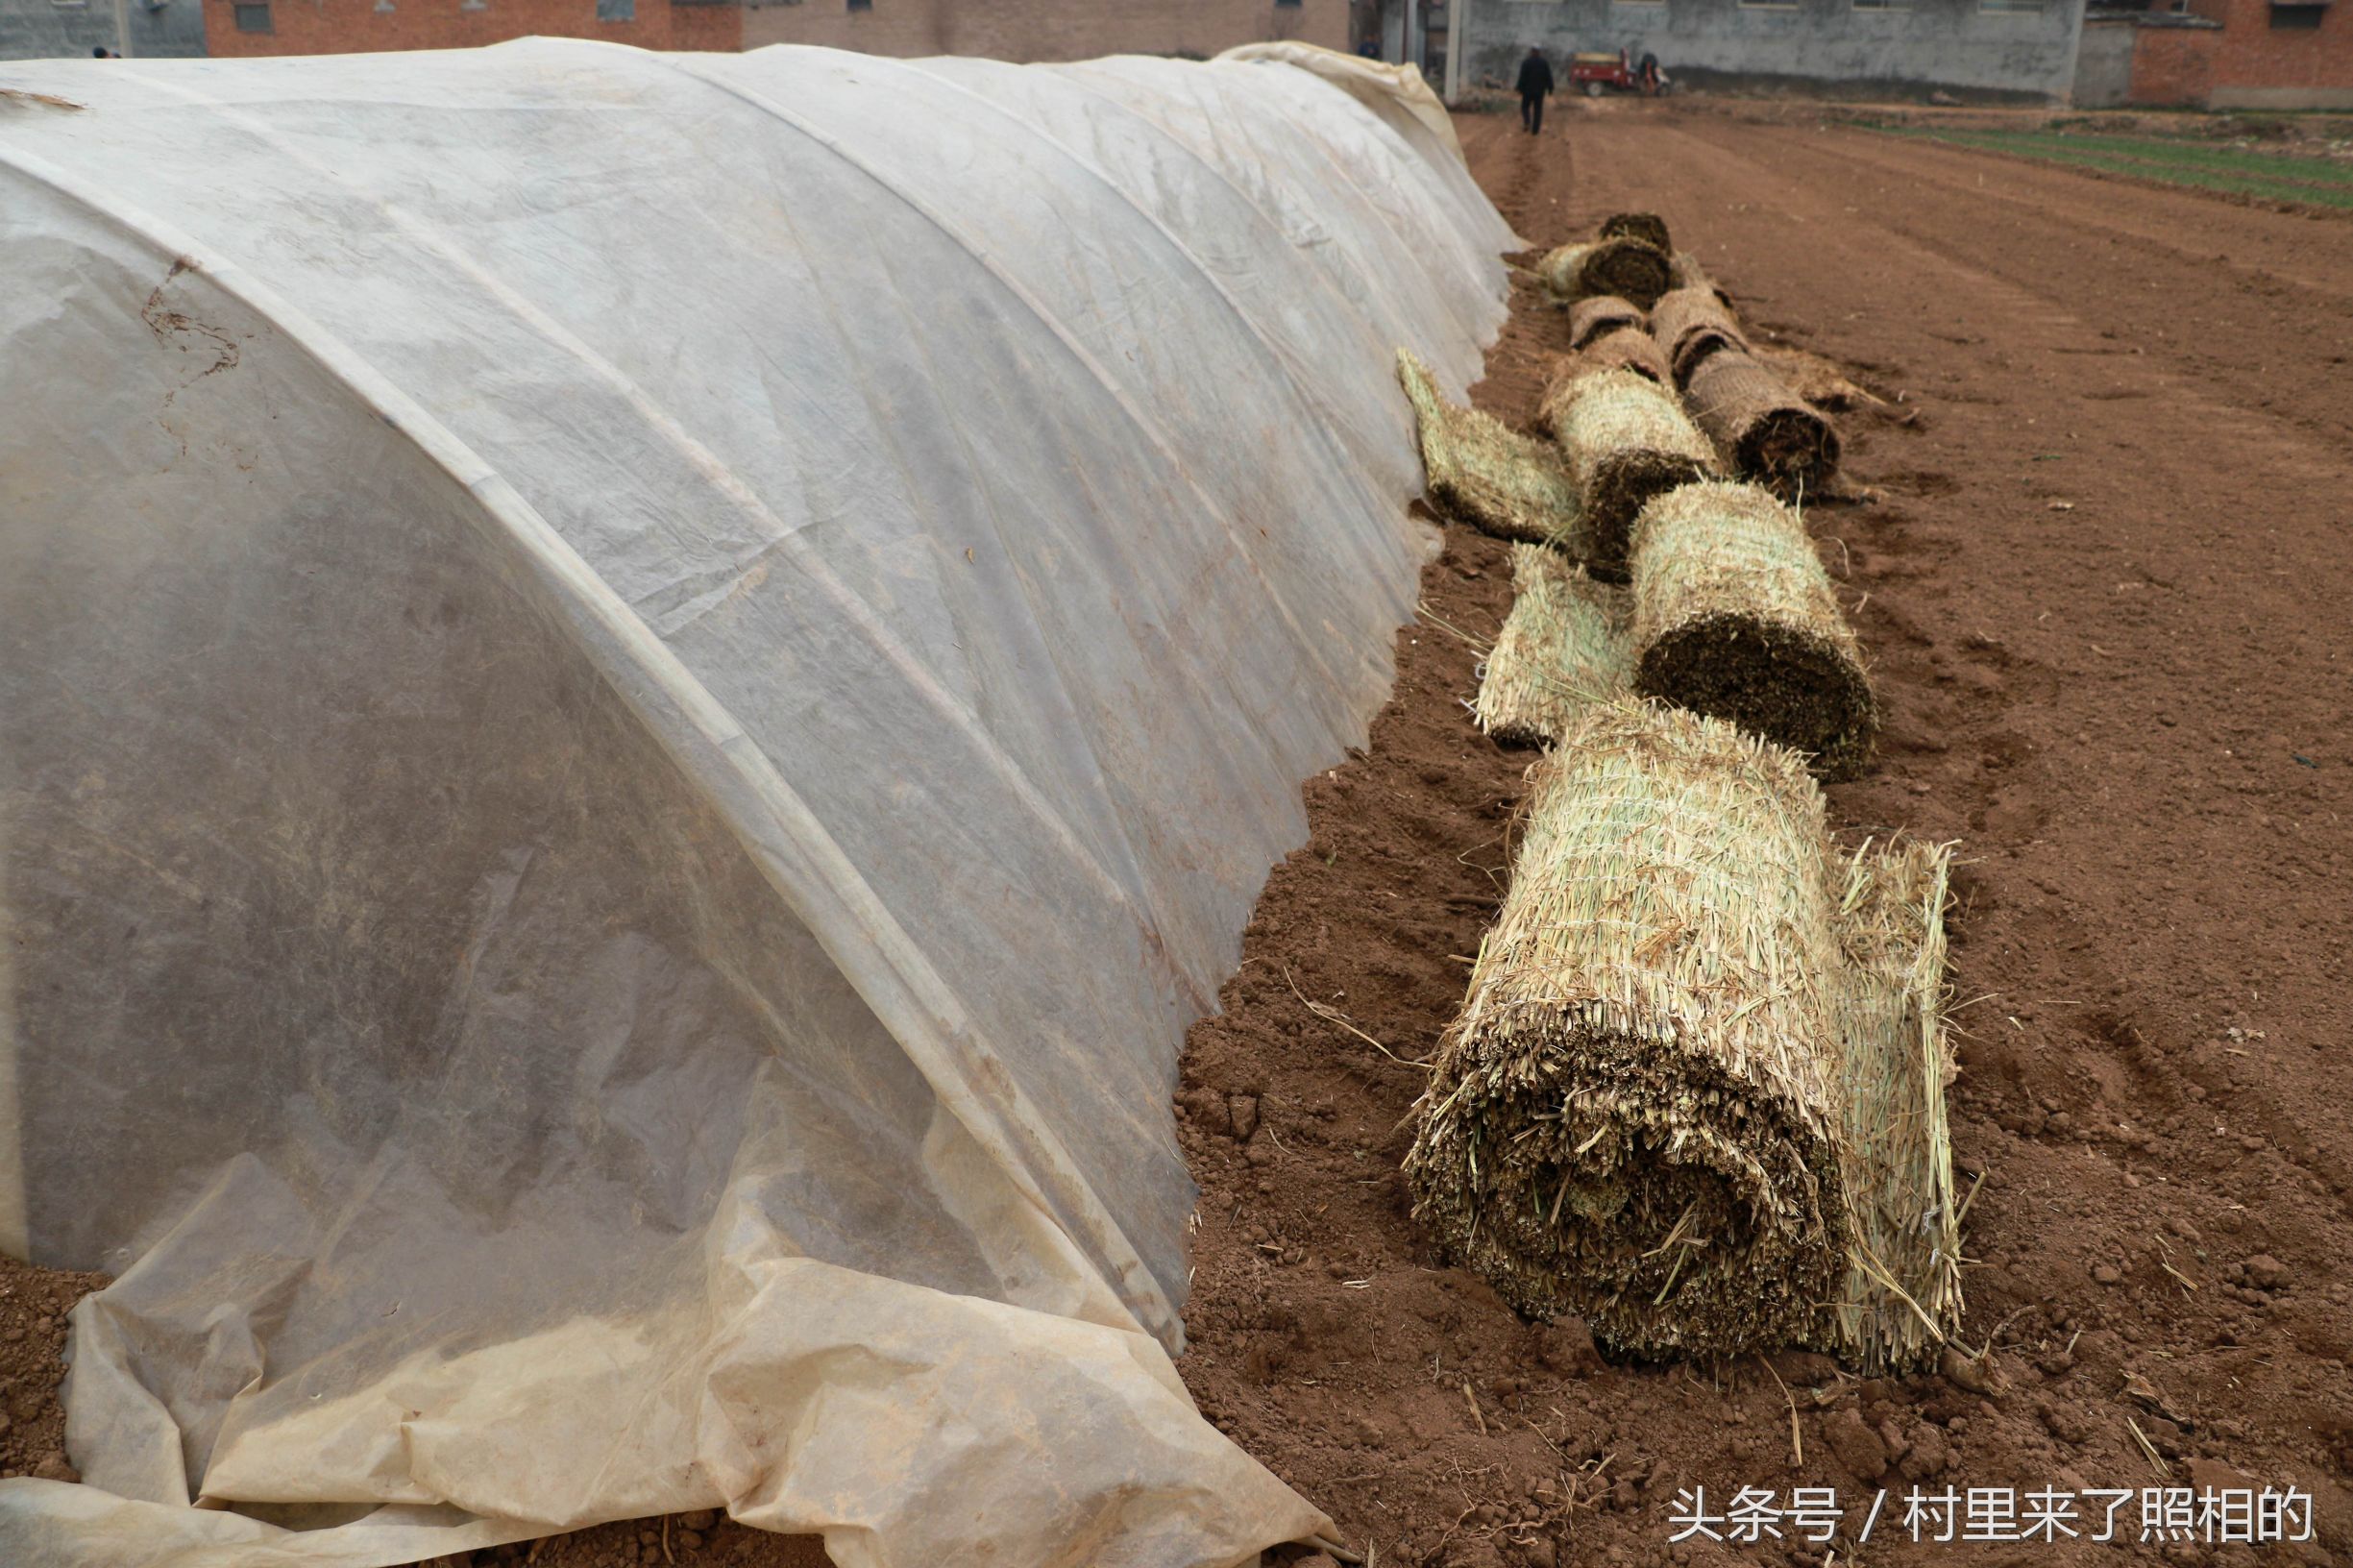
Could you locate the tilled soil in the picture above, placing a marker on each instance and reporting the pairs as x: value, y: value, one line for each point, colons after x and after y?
x: 2100, y: 564
x: 32, y: 1306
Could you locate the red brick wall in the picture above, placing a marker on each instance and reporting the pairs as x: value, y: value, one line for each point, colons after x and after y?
x: 335, y: 27
x: 2248, y: 63
x: 904, y: 28
x: 2255, y: 54
x: 1003, y: 29
x: 2173, y: 65
x: 1026, y: 30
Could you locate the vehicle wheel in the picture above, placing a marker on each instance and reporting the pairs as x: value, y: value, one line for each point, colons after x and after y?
x: 1593, y: 89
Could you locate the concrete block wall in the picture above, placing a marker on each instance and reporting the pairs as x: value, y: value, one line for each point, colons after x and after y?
x: 1032, y: 30
x: 46, y: 30
x: 1833, y: 46
x: 2103, y: 63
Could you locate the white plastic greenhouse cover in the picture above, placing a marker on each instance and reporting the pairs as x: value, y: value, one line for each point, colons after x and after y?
x: 638, y: 695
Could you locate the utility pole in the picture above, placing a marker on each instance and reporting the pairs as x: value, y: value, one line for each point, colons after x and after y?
x: 122, y: 28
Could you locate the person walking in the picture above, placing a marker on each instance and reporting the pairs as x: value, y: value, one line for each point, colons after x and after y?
x: 1536, y: 82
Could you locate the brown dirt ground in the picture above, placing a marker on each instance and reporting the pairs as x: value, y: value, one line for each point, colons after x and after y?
x: 32, y: 1306
x: 2101, y: 584
x: 2301, y: 134
x: 2104, y: 581
x: 2312, y: 140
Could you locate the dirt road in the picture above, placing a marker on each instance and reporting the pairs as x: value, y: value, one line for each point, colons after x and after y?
x: 2105, y: 587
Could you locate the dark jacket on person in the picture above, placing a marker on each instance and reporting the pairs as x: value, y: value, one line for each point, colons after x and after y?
x: 1536, y: 77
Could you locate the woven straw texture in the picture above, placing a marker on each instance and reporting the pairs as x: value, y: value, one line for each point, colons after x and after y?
x: 1647, y: 227
x: 1625, y: 267
x: 1625, y: 439
x: 1562, y: 648
x: 1495, y: 479
x: 1761, y: 427
x: 1690, y: 324
x: 1636, y: 1116
x: 1696, y: 1092
x: 1589, y: 318
x: 1735, y: 618
x: 1684, y: 271
x: 1902, y: 1297
x: 1621, y: 348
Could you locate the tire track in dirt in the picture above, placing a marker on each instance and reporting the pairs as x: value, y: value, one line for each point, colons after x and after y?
x: 1526, y: 169
x: 2248, y: 242
x: 2198, y: 417
x: 2265, y: 324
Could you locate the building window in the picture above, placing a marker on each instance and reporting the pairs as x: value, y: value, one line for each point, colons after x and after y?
x: 862, y: 4
x: 616, y: 11
x: 1882, y: 5
x: 2015, y: 8
x: 2294, y: 18
x: 1294, y: 4
x: 1768, y: 5
x: 254, y: 19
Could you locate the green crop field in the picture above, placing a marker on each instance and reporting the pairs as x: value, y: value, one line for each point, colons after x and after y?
x: 2203, y: 165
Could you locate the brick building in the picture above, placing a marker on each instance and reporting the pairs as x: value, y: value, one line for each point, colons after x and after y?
x: 335, y: 27
x: 1019, y: 30
x: 2218, y: 53
x: 1032, y: 30
x: 2014, y: 51
x: 71, y: 29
